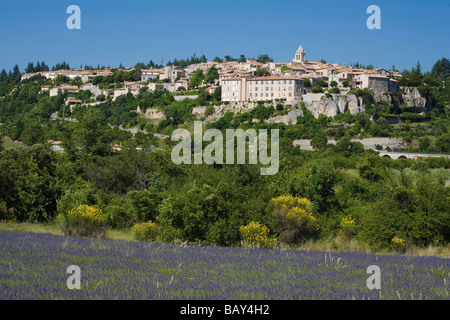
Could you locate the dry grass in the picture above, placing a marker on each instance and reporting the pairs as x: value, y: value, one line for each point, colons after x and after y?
x: 341, y: 245
x: 325, y: 245
x: 55, y: 229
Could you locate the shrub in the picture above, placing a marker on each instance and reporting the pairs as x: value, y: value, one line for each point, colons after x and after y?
x: 79, y: 193
x: 322, y: 83
x: 120, y: 213
x: 84, y: 220
x: 295, y: 218
x: 334, y: 90
x: 209, y: 111
x: 256, y: 235
x: 398, y: 244
x: 347, y: 227
x: 317, y: 89
x: 147, y: 231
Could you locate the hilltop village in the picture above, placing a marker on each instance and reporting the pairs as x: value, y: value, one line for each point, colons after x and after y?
x: 247, y: 80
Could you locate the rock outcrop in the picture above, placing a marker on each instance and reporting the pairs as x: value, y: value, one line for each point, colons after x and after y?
x: 319, y: 104
x: 289, y: 118
x: 414, y: 100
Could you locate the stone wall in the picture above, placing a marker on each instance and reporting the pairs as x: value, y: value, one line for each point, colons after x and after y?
x: 368, y: 143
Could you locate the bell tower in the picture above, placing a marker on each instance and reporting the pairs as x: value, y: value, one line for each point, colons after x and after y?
x: 299, y: 55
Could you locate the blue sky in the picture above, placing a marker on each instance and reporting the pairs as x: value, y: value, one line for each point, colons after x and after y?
x: 114, y: 32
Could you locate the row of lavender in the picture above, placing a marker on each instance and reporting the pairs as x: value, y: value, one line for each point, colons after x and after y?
x: 33, y: 266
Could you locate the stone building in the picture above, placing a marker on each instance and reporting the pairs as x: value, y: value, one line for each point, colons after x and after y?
x: 300, y: 56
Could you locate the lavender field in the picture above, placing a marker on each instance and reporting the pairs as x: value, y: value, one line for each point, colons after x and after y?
x: 33, y: 266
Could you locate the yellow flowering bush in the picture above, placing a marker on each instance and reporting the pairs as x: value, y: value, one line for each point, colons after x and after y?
x: 398, y: 244
x: 256, y: 235
x: 147, y: 231
x: 295, y: 217
x: 288, y: 202
x: 84, y: 220
x: 347, y: 226
x: 301, y: 216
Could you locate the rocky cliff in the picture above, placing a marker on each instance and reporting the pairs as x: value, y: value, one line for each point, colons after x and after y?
x: 319, y: 103
x: 413, y: 100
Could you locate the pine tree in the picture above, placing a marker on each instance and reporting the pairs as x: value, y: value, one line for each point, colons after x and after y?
x: 30, y: 68
x: 3, y: 76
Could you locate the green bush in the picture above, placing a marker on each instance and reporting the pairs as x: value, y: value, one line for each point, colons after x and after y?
x: 81, y: 192
x: 210, y: 110
x: 334, y: 90
x: 419, y: 214
x: 145, y: 204
x: 120, y: 213
x: 317, y: 89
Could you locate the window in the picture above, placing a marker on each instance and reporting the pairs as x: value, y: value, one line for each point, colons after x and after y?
x: 256, y: 95
x: 256, y: 82
x: 290, y: 88
x: 272, y: 82
x: 290, y: 94
x: 250, y: 94
x: 267, y: 94
x: 271, y: 94
x: 271, y: 88
x: 290, y: 81
x: 256, y: 89
x: 267, y: 88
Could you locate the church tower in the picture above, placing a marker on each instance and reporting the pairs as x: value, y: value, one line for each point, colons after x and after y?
x: 299, y: 56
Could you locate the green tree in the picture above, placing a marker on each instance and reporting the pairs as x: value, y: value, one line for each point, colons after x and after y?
x: 262, y: 72
x: 264, y: 58
x: 322, y: 83
x: 319, y: 141
x: 217, y: 94
x: 242, y: 58
x: 320, y: 187
x: 317, y: 89
x: 212, y: 74
x: 424, y: 143
x: 32, y: 134
x: 443, y: 143
x: 196, y: 79
x: 307, y: 83
x: 441, y: 69
x: 346, y: 83
x: 91, y: 136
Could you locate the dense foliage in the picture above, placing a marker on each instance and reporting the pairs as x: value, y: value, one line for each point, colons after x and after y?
x: 205, y: 204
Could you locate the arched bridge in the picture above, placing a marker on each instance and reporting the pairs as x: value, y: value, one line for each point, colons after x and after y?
x: 409, y: 155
